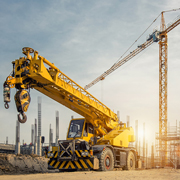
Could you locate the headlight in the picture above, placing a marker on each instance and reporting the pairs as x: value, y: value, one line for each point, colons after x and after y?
x: 84, y: 154
x: 50, y: 155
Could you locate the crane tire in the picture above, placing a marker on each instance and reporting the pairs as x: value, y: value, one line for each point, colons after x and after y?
x: 22, y: 120
x: 130, y: 161
x: 106, y: 162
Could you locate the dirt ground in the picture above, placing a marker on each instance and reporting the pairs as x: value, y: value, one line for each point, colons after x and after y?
x: 154, y: 174
x: 20, y: 167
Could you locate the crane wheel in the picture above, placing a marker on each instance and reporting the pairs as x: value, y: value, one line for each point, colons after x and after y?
x: 106, y: 162
x: 130, y: 161
x: 22, y: 120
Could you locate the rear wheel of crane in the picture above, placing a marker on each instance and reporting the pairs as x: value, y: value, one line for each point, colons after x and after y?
x: 106, y: 162
x: 130, y: 161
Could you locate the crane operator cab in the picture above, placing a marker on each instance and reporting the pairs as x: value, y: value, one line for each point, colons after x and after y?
x: 80, y: 129
x: 76, y: 152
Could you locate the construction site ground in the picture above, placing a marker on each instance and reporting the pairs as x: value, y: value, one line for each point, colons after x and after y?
x: 35, y: 167
x: 154, y: 174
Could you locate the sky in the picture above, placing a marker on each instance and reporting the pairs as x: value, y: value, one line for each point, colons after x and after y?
x: 84, y: 39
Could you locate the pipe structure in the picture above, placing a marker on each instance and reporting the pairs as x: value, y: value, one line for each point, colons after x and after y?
x: 118, y: 115
x: 144, y: 142
x: 128, y: 121
x: 39, y: 149
x: 136, y: 131
x: 35, y: 136
x: 57, y: 127
x: 32, y: 134
x: 152, y: 156
x: 17, y: 148
x: 146, y: 155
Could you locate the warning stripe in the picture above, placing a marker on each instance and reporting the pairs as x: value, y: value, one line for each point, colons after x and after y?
x: 56, y: 165
x: 55, y: 154
x: 77, y: 153
x: 89, y: 162
x: 78, y: 165
x: 70, y: 164
x: 52, y: 163
x: 62, y: 165
x: 81, y: 163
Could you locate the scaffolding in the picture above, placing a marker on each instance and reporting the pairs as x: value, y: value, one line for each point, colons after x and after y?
x: 171, y: 156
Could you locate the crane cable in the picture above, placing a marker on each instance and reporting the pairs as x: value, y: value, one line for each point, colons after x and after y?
x: 145, y: 31
x: 101, y: 77
x: 138, y: 38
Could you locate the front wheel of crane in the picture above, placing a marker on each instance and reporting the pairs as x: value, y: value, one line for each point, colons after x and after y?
x: 130, y: 161
x: 24, y: 119
x: 106, y: 162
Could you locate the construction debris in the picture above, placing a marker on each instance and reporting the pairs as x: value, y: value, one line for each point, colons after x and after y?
x: 22, y: 164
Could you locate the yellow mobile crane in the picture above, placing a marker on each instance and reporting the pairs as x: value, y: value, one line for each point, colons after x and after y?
x: 97, y: 141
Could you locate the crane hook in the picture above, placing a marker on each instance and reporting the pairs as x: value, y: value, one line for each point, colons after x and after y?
x: 6, y: 105
x: 24, y: 117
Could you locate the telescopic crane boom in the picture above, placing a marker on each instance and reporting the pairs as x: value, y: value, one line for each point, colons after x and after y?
x: 30, y: 72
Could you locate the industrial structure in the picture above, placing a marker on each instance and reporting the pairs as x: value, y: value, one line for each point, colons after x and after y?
x: 99, y: 140
x: 161, y: 37
x: 172, y: 152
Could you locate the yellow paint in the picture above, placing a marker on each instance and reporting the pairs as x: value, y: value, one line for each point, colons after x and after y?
x: 89, y: 162
x: 83, y: 163
x: 52, y: 162
x: 70, y: 164
x: 56, y: 154
x: 61, y: 166
x: 78, y: 165
x: 56, y: 165
x: 77, y: 153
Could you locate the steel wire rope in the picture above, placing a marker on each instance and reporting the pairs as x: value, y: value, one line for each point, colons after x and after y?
x: 110, y: 70
x: 145, y: 31
x: 136, y: 58
x: 101, y: 76
x: 138, y: 38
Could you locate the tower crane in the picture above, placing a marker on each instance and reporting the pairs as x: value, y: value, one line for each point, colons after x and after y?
x: 161, y: 37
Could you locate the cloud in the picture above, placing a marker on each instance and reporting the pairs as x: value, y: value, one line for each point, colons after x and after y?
x: 84, y: 39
